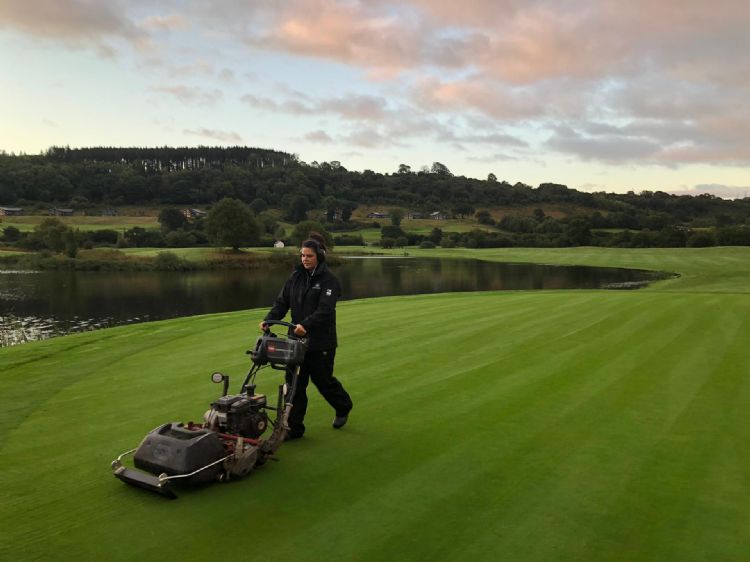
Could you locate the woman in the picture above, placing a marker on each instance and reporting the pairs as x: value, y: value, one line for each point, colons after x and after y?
x: 311, y: 293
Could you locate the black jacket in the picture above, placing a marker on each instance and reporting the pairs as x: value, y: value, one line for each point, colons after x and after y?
x: 312, y: 300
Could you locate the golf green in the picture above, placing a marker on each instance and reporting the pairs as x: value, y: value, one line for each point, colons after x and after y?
x: 550, y: 425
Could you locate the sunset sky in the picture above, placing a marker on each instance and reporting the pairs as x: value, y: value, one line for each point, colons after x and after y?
x: 599, y: 95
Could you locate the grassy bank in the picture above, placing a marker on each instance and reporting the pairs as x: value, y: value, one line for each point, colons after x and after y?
x: 554, y: 425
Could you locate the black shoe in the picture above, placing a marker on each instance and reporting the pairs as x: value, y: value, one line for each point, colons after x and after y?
x: 340, y: 421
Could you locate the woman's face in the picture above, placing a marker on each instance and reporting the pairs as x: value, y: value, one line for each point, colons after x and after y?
x: 308, y: 257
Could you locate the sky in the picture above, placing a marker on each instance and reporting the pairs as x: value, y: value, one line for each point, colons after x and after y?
x: 605, y: 95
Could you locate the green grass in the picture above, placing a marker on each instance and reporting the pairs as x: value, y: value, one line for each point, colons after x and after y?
x: 83, y: 223
x: 419, y: 226
x: 553, y: 425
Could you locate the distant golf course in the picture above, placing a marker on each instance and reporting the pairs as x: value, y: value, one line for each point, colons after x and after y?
x: 581, y: 425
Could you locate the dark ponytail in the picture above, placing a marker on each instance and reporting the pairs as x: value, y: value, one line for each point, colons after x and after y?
x: 316, y: 243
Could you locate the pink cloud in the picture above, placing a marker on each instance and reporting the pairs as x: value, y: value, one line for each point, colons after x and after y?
x: 345, y: 32
x: 74, y: 22
x: 319, y: 137
x: 483, y: 96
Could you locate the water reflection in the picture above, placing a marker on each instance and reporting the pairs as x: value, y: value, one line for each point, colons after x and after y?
x: 37, y: 305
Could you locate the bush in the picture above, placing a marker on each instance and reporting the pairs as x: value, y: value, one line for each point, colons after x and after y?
x: 180, y: 239
x: 11, y: 234
x: 302, y: 231
x: 349, y: 240
x: 168, y: 261
x: 484, y: 217
x: 702, y: 239
x: 392, y: 232
x: 387, y: 242
x: 427, y: 245
x: 733, y: 236
x: 103, y: 236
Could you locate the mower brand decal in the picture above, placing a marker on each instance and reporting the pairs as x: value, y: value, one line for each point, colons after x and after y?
x: 328, y: 293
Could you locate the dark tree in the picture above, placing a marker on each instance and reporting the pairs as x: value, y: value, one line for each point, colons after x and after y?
x: 171, y: 219
x: 231, y: 223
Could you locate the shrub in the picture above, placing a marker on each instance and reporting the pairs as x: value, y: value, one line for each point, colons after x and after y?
x: 168, y: 261
x: 701, y: 239
x: 103, y: 236
x: 11, y: 234
x: 349, y: 240
x: 427, y: 245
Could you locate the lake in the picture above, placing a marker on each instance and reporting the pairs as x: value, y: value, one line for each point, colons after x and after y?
x: 38, y: 305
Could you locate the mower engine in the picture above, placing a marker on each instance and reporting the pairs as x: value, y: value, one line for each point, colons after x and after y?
x: 240, y: 414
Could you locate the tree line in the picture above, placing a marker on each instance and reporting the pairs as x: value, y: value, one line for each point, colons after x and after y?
x: 107, y: 176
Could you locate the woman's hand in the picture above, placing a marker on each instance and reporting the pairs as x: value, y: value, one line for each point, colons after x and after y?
x: 263, y: 326
x: 299, y: 330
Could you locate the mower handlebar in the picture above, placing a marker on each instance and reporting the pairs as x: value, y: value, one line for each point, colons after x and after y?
x: 279, y: 323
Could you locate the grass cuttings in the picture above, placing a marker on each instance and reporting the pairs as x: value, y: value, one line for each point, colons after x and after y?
x: 552, y: 425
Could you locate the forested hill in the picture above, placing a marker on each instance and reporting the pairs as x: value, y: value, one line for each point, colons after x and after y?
x: 200, y: 176
x: 172, y: 159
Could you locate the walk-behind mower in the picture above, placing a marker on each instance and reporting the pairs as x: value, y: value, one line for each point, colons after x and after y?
x: 229, y: 443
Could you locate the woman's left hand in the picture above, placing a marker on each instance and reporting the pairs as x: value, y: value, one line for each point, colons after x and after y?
x: 299, y: 330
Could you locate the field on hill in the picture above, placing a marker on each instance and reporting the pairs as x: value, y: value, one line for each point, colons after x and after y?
x: 85, y: 223
x: 551, y: 425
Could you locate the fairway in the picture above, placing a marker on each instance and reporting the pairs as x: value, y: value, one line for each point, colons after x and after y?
x: 551, y: 425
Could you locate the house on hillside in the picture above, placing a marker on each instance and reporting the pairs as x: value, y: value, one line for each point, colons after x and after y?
x: 378, y: 215
x: 278, y: 244
x: 414, y: 215
x: 58, y: 212
x: 194, y: 213
x: 109, y: 212
x: 438, y: 216
x: 10, y: 211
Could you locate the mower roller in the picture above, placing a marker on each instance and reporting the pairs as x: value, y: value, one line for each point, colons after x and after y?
x: 229, y: 443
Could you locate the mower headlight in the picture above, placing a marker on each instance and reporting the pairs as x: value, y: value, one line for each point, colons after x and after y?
x: 217, y: 377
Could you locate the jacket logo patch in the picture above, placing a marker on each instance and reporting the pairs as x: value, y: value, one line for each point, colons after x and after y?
x: 316, y: 286
x: 328, y: 293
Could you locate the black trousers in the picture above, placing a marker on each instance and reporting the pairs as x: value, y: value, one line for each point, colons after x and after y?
x: 318, y: 367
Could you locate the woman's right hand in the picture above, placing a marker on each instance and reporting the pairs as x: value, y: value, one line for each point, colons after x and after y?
x: 263, y: 326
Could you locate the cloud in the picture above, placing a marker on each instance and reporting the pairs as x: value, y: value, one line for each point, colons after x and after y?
x: 608, y: 147
x: 623, y: 83
x: 370, y: 138
x: 492, y: 158
x: 191, y: 95
x: 349, y: 32
x: 354, y: 106
x: 318, y: 136
x: 77, y: 23
x: 228, y: 137
x: 198, y: 67
x: 719, y: 190
x: 171, y: 22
